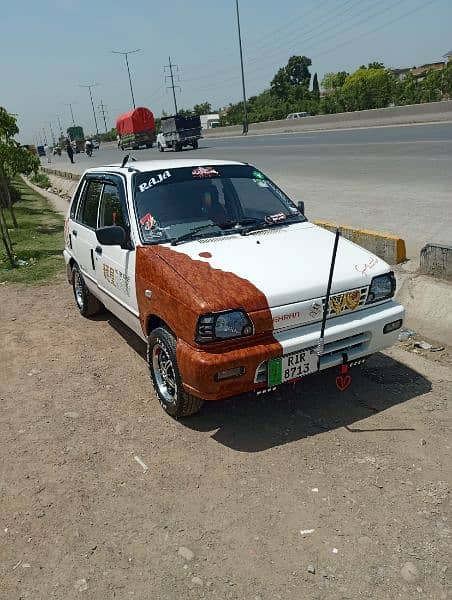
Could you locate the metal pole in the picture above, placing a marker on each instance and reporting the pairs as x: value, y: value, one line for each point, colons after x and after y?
x: 245, y: 115
x: 92, y: 103
x: 172, y: 83
x: 94, y: 112
x: 103, y: 115
x: 72, y: 114
x: 126, y: 54
x: 52, y: 135
x: 130, y: 81
x: 59, y: 124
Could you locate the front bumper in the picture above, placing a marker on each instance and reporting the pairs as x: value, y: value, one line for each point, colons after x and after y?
x: 356, y: 334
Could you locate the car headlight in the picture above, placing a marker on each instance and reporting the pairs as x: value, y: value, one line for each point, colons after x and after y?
x: 223, y: 326
x: 381, y: 288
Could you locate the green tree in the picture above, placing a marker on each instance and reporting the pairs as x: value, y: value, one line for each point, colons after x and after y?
x: 315, y: 87
x: 432, y: 86
x: 293, y: 79
x: 334, y: 81
x: 204, y: 108
x: 375, y: 65
x: 368, y: 88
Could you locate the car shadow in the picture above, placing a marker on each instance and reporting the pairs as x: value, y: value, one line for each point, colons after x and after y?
x: 251, y: 423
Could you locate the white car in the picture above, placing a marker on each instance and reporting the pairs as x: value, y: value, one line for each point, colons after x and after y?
x: 298, y: 115
x: 224, y: 278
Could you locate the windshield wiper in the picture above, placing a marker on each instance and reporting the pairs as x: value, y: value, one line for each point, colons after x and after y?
x: 265, y: 224
x: 190, y: 234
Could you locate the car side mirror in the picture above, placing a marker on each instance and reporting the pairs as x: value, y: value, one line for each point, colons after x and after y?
x: 113, y: 235
x: 300, y: 206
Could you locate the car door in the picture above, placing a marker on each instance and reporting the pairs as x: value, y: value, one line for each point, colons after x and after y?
x: 115, y: 266
x: 82, y: 230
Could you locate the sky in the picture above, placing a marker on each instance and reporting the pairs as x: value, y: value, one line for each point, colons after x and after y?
x: 48, y: 48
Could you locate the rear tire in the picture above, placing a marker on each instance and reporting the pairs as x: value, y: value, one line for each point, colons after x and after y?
x: 160, y: 148
x: 195, y: 145
x: 87, y: 304
x: 165, y: 376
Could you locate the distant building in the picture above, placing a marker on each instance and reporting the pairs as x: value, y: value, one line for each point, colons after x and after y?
x: 420, y: 72
x: 400, y: 73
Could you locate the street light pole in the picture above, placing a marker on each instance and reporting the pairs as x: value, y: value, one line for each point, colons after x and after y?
x: 245, y: 115
x: 92, y: 103
x: 126, y: 54
x: 72, y: 114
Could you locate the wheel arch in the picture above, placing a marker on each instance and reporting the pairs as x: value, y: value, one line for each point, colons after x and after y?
x: 154, y: 321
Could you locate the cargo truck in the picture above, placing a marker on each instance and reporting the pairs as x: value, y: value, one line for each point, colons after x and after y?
x: 77, y: 138
x: 178, y: 131
x: 135, y: 129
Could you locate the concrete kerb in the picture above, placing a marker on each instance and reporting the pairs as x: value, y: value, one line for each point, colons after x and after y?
x: 58, y: 173
x: 436, y: 260
x: 389, y: 247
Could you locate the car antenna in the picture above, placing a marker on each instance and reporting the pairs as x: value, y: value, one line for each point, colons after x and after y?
x: 124, y: 160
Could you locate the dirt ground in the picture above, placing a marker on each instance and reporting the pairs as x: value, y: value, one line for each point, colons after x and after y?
x: 303, y: 494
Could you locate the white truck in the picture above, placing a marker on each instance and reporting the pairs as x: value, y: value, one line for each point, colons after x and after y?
x: 210, y: 121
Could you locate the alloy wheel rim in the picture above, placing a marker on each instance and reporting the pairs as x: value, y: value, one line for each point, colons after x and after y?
x: 78, y: 290
x: 164, y: 373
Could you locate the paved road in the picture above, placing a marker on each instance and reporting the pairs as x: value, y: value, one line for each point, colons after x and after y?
x: 394, y: 179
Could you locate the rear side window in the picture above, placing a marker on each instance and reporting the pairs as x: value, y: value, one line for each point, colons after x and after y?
x: 76, y: 198
x: 111, y: 209
x: 87, y: 214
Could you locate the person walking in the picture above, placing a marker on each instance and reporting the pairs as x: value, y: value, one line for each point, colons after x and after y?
x: 70, y: 151
x: 48, y: 153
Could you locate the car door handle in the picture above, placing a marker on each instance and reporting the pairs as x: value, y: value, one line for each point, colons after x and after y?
x: 74, y: 233
x: 98, y: 250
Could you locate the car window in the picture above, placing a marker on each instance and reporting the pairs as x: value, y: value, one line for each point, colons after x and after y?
x: 171, y: 203
x: 87, y: 214
x: 111, y: 210
x: 76, y: 198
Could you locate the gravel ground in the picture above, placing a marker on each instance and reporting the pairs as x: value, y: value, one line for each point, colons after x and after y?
x: 303, y: 494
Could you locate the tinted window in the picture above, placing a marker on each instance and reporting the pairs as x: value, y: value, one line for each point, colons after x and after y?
x: 90, y: 204
x: 111, y: 209
x: 173, y: 202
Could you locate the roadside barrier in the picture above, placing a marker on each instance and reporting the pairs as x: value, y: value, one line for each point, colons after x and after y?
x: 389, y: 247
x: 436, y: 260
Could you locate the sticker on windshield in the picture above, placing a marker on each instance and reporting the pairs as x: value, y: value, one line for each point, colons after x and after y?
x: 261, y: 183
x: 258, y: 175
x: 275, y: 218
x: 153, y: 181
x: 202, y: 172
x: 148, y: 222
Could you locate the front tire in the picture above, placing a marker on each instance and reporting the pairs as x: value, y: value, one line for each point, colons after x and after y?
x: 195, y: 145
x: 87, y: 304
x: 160, y: 147
x: 165, y: 376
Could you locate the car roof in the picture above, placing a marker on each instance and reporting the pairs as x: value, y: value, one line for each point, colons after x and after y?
x: 157, y: 165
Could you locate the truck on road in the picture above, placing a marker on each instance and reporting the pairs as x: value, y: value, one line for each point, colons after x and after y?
x: 77, y: 138
x: 178, y: 131
x: 136, y: 128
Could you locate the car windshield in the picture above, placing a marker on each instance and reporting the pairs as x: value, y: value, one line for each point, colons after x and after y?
x: 189, y: 202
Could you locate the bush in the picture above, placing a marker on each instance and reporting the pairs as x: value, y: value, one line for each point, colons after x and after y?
x: 41, y: 180
x: 14, y: 193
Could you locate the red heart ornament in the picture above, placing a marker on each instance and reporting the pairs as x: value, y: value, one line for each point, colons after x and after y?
x: 342, y: 383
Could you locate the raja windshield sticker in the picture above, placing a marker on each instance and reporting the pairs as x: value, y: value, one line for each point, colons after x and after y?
x: 201, y: 172
x: 153, y: 181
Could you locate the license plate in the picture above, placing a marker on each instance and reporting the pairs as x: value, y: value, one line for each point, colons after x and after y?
x: 293, y: 366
